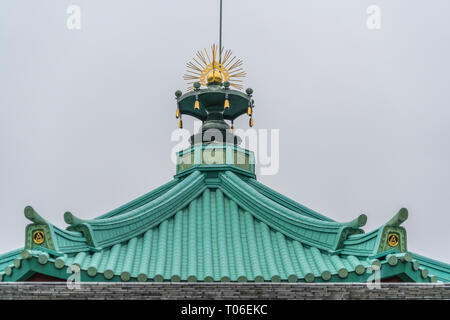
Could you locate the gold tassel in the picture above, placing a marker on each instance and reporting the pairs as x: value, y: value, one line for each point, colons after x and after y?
x: 232, y: 126
x: 180, y: 124
x: 249, y: 111
x: 197, y: 105
x: 227, y: 104
x: 177, y: 113
x: 250, y: 122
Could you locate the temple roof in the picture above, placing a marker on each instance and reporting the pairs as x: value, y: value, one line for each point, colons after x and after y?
x: 223, y: 228
x: 214, y: 221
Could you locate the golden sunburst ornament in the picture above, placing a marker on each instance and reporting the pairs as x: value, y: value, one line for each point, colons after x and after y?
x: 215, y: 67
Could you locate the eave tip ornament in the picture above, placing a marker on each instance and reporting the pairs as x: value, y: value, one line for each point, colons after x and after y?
x: 215, y: 68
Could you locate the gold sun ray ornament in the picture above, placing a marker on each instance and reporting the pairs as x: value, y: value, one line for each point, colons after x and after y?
x: 214, y: 67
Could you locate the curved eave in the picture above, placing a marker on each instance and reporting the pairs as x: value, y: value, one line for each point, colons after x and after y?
x: 440, y: 269
x: 363, y: 244
x: 42, y: 262
x: 239, y: 102
x: 8, y: 258
x: 70, y: 241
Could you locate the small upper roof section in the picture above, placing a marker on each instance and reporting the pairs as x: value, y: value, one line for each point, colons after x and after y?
x: 211, y: 99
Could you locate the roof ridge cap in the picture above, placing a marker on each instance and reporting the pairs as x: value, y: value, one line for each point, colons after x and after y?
x: 284, y: 220
x: 73, y: 220
x: 282, y: 198
x: 102, y: 233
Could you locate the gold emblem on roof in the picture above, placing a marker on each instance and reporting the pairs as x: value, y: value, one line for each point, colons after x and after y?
x: 393, y: 239
x: 38, y: 237
x: 215, y: 67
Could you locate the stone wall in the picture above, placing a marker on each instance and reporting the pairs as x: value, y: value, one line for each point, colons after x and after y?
x: 41, y: 290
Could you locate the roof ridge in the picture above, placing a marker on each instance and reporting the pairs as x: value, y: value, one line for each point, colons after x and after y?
x: 109, y: 231
x: 139, y: 201
x: 432, y: 262
x: 8, y: 257
x: 286, y: 202
x: 328, y: 235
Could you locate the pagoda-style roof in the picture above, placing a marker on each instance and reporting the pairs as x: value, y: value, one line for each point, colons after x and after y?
x: 214, y: 221
x: 227, y: 227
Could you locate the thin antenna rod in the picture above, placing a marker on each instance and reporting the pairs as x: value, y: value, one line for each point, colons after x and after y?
x: 220, y: 34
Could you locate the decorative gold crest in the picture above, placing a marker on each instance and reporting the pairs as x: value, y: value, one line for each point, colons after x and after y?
x: 393, y: 239
x: 215, y: 68
x: 38, y: 237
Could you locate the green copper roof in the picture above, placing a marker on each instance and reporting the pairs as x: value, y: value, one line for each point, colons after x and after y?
x: 8, y: 258
x: 439, y: 269
x: 106, y: 232
x: 223, y: 227
x: 101, y: 233
x: 214, y: 239
x: 215, y: 222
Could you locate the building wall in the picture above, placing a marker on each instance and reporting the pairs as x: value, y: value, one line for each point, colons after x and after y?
x: 42, y: 290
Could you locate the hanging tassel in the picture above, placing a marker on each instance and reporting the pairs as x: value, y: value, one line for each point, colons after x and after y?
x: 232, y: 126
x: 197, y: 103
x: 227, y: 102
x: 180, y: 123
x: 249, y: 110
x: 250, y: 122
x: 177, y: 114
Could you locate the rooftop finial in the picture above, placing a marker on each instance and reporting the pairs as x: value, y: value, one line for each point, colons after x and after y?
x: 220, y: 32
x: 215, y: 67
x: 217, y: 70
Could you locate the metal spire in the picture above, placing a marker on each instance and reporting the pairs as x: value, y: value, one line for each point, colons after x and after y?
x: 220, y: 34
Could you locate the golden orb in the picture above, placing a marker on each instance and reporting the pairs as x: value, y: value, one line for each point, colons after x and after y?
x: 214, y: 76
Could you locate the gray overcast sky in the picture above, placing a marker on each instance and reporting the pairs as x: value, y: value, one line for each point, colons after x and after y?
x: 86, y: 115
